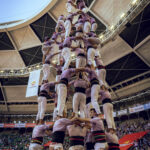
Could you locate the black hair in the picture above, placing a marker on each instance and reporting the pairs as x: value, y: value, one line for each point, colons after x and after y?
x: 80, y: 75
x: 92, y: 109
x: 89, y: 66
x: 46, y: 38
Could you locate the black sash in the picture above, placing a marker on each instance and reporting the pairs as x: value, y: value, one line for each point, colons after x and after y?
x: 101, y: 67
x: 89, y: 47
x: 37, y: 140
x: 47, y: 62
x: 64, y: 81
x: 113, y: 146
x: 106, y: 100
x: 43, y: 93
x: 76, y: 140
x: 94, y: 81
x: 81, y: 54
x: 58, y: 137
x: 99, y: 136
x: 80, y: 89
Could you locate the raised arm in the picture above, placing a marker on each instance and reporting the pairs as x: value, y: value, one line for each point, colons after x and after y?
x: 71, y: 82
x: 43, y: 59
x: 84, y: 119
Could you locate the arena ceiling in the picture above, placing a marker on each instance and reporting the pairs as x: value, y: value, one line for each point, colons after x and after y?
x: 126, y: 56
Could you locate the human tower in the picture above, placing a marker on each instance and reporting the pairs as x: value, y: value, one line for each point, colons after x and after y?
x: 76, y: 33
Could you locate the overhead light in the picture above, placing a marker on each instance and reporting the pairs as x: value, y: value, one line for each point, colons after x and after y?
x: 101, y: 36
x: 12, y: 71
x: 54, y: 61
x: 112, y: 27
x: 122, y: 15
x: 37, y: 66
x: 29, y: 68
x: 21, y: 70
x: 134, y: 2
x: 73, y: 54
x: 2, y: 71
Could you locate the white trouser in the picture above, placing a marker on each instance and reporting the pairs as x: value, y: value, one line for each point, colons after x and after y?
x: 55, y: 114
x: 79, y: 26
x: 79, y: 100
x: 80, y: 43
x: 99, y: 146
x: 80, y: 62
x: 87, y: 27
x: 108, y: 112
x: 77, y: 147
x: 66, y: 53
x: 62, y: 94
x: 57, y: 80
x: 94, y: 27
x: 46, y: 71
x: 94, y: 97
x: 101, y: 73
x: 87, y: 110
x: 67, y: 28
x: 91, y: 56
x: 42, y: 102
x: 56, y: 146
x: 35, y: 146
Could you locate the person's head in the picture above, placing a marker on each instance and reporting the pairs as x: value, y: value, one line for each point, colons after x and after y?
x: 80, y: 76
x: 88, y: 66
x: 61, y: 61
x: 44, y: 81
x: 92, y: 113
x: 58, y: 117
x: 70, y: 8
x: 77, y: 122
x: 46, y: 38
x: 61, y: 17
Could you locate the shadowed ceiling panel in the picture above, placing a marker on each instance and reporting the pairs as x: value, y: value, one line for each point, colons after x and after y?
x: 110, y: 10
x: 144, y: 51
x: 10, y: 59
x: 32, y: 55
x: 138, y: 29
x: 45, y: 26
x: 125, y: 68
x: 25, y: 38
x: 5, y: 43
x: 88, y: 2
x: 14, y: 81
x: 114, y: 50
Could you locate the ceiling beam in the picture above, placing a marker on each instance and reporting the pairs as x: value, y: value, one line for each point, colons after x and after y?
x: 137, y: 76
x: 101, y: 20
x: 145, y: 61
x: 14, y: 44
x: 4, y: 96
x: 92, y: 4
x: 52, y: 16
